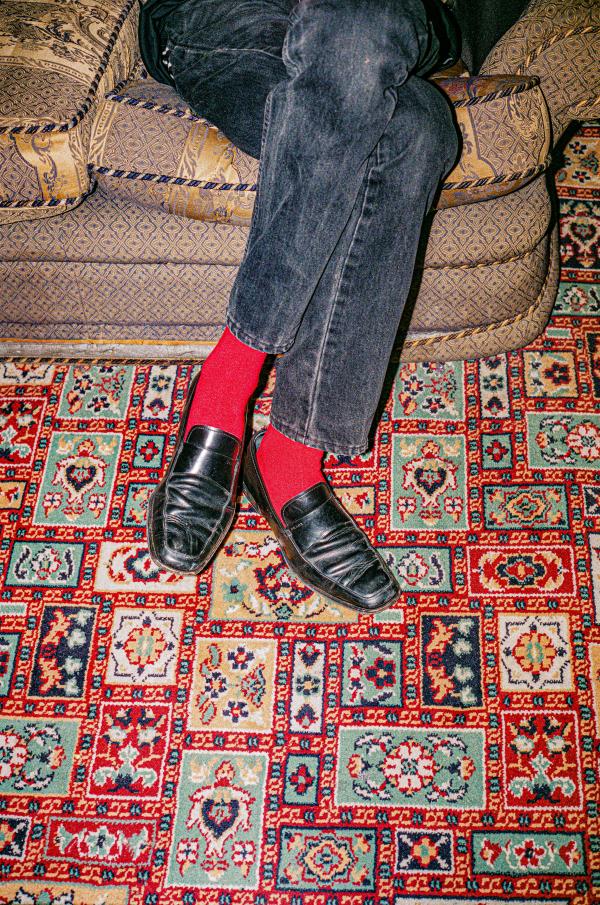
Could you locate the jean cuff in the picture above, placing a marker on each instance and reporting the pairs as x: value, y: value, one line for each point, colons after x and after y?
x: 338, y: 449
x: 250, y: 340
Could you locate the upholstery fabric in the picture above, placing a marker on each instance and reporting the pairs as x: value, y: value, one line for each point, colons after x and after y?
x: 169, y: 277
x: 557, y: 40
x: 147, y: 146
x: 82, y: 296
x: 135, y: 267
x: 148, y: 132
x: 56, y: 61
x: 109, y: 229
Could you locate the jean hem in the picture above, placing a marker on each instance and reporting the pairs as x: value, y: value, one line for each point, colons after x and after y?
x: 338, y: 449
x: 250, y: 340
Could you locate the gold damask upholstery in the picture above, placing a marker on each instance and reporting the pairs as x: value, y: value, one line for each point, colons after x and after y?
x: 146, y: 145
x: 558, y: 41
x: 56, y: 61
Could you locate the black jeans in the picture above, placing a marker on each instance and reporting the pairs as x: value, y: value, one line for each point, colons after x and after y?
x: 353, y: 142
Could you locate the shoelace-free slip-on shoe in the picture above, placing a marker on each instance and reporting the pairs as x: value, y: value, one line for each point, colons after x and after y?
x: 322, y: 544
x: 193, y: 507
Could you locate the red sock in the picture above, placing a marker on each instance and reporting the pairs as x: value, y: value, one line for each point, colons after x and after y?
x: 228, y: 378
x: 287, y: 467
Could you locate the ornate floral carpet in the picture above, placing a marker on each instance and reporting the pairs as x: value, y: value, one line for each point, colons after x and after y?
x: 232, y: 739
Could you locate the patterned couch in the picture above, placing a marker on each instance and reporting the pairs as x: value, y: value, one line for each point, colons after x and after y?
x: 123, y: 216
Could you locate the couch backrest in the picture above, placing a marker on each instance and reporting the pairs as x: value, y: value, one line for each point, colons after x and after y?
x: 558, y: 41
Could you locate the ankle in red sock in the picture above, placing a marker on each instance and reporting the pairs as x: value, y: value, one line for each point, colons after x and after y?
x: 228, y: 379
x: 287, y: 467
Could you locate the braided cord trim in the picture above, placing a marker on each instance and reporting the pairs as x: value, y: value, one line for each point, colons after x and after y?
x: 134, y: 176
x: 549, y: 42
x: 533, y: 82
x: 495, y: 180
x: 49, y: 202
x: 87, y: 103
x: 477, y: 266
x: 118, y: 98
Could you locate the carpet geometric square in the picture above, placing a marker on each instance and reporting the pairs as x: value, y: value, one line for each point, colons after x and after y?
x: 535, y: 653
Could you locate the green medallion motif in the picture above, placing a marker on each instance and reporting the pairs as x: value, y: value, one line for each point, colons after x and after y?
x: 96, y: 391
x: 78, y: 479
x: 217, y: 832
x: 563, y: 441
x: 36, y: 756
x: 419, y: 767
x: 428, y: 482
x: 430, y: 391
x: 517, y: 854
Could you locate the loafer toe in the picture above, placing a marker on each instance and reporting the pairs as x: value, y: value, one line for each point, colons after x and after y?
x: 375, y: 589
x: 183, y: 544
x: 169, y: 552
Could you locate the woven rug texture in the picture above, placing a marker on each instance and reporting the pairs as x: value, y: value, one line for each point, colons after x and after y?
x: 234, y: 739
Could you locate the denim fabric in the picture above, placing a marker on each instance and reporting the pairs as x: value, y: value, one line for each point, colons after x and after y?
x: 353, y: 143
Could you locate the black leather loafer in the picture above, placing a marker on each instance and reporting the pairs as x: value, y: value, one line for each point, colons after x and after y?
x: 322, y: 544
x: 192, y: 509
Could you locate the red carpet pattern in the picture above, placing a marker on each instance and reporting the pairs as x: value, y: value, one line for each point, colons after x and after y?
x: 233, y: 739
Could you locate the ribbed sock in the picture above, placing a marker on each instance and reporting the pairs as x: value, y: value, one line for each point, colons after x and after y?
x: 228, y: 378
x: 287, y: 467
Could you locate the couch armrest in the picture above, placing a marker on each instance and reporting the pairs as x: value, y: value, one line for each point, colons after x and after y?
x: 57, y: 61
x: 556, y: 40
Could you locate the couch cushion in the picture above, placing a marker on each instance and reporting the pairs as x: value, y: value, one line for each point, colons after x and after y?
x: 558, y: 41
x: 147, y: 145
x: 114, y: 272
x: 506, y: 136
x: 56, y: 61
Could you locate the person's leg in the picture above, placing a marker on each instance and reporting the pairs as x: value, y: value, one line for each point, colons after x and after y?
x: 329, y: 383
x: 334, y: 89
x: 371, y: 140
x: 228, y: 379
x: 224, y: 57
x: 376, y: 52
x: 344, y: 60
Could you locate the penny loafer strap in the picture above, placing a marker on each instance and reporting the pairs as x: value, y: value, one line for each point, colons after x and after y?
x: 336, y: 546
x: 206, y: 462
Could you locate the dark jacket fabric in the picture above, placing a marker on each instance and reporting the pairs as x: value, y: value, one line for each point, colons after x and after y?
x: 482, y: 23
